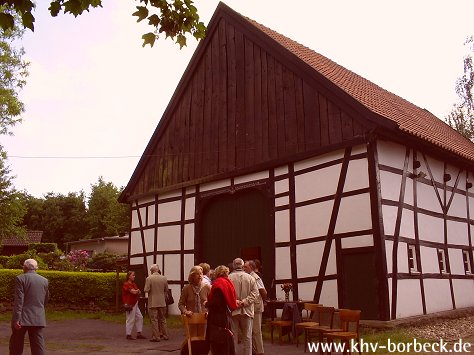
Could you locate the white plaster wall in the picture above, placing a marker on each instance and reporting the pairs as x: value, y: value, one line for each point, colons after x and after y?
x: 408, y: 197
x: 458, y: 205
x: 357, y: 175
x: 455, y: 262
x: 407, y: 224
x: 464, y: 293
x: 135, y: 223
x: 389, y: 215
x: 359, y: 149
x: 169, y: 194
x: 189, y: 236
x: 388, y: 253
x: 358, y: 242
x: 142, y: 216
x: 135, y: 243
x: 409, y: 302
x: 169, y: 212
x: 354, y: 214
x: 251, y: 177
x: 169, y: 238
x: 318, y: 183
x: 329, y: 294
x: 136, y: 260
x: 172, y: 266
x: 437, y: 295
x: 281, y: 170
x: 149, y: 236
x: 331, y: 268
x: 282, y: 201
x: 214, y: 185
x: 151, y: 215
x: 427, y: 198
x: 429, y: 259
x: 390, y: 185
x: 306, y: 290
x: 188, y: 264
x: 391, y: 154
x: 430, y: 228
x: 471, y: 201
x: 313, y: 220
x: 282, y: 226
x: 458, y: 233
x: 436, y: 167
x: 402, y: 261
x: 309, y: 258
x: 281, y: 186
x: 320, y: 159
x: 282, y: 263
x: 190, y: 208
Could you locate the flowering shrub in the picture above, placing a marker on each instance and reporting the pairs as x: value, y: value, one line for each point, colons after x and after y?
x: 78, y: 258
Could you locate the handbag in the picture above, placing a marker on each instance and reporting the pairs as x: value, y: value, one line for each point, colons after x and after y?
x: 127, y: 307
x: 169, y: 297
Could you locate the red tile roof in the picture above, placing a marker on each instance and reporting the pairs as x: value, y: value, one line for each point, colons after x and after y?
x: 409, y: 117
x: 31, y: 237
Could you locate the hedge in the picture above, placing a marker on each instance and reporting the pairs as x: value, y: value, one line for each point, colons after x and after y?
x: 75, y: 290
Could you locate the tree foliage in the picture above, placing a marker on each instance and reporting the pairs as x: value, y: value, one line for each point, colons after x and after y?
x: 174, y: 18
x: 12, y: 207
x: 461, y: 117
x: 13, y: 72
x: 106, y: 216
x: 62, y: 218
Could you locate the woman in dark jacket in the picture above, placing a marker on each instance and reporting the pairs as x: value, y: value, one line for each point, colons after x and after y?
x: 221, y: 302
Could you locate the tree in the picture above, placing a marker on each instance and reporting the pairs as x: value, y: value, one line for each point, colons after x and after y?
x: 174, y: 18
x: 13, y: 71
x: 107, y: 217
x: 12, y: 207
x: 461, y: 117
x: 61, y: 218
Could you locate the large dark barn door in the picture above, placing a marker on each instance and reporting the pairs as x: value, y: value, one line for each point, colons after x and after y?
x: 359, y: 282
x: 237, y: 225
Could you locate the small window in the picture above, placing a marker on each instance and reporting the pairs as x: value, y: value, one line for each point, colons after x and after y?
x: 412, y: 264
x: 467, y: 262
x: 441, y: 261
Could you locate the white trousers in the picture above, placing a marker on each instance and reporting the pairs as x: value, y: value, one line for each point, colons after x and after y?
x: 244, y: 324
x: 134, y: 318
x: 257, y: 333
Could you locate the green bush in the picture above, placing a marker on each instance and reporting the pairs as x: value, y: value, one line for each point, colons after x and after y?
x: 16, y: 261
x: 43, y: 247
x: 73, y: 290
x: 103, y: 262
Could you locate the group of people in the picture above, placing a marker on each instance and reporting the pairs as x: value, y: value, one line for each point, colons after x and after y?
x: 233, y: 302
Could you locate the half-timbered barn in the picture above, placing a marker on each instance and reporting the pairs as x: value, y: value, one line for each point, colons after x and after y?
x: 270, y: 150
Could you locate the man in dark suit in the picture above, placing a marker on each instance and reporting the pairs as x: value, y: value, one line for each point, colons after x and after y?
x: 31, y: 295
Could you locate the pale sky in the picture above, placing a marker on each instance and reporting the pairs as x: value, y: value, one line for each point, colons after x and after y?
x: 94, y: 92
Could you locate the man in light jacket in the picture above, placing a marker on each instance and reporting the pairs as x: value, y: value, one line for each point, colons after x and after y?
x: 247, y: 294
x: 156, y: 285
x: 31, y: 296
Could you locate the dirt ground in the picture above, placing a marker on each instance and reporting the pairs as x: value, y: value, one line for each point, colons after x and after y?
x: 97, y: 337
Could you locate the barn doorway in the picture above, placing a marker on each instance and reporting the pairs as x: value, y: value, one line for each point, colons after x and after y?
x: 237, y: 225
x: 359, y: 282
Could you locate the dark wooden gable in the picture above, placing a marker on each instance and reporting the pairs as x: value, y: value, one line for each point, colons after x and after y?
x: 240, y: 105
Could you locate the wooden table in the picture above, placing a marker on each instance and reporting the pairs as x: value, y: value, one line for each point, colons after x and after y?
x: 272, y: 305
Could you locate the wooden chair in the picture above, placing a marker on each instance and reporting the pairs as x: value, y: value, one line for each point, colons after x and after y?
x: 286, y: 323
x: 311, y: 319
x: 350, y: 320
x: 195, y: 330
x: 325, y: 317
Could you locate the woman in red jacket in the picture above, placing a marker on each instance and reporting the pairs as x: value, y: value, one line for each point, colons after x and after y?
x: 130, y: 294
